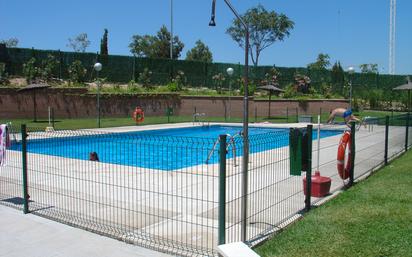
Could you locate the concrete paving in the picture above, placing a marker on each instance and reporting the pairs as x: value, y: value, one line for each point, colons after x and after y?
x: 30, y: 235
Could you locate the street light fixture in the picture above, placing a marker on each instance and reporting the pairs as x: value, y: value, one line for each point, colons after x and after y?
x: 230, y: 72
x: 351, y: 70
x: 98, y: 67
x: 245, y: 159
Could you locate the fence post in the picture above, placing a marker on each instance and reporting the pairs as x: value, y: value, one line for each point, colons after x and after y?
x: 297, y: 115
x: 287, y: 114
x: 255, y: 114
x: 24, y: 166
x: 352, y: 153
x: 308, y: 168
x: 386, y: 139
x: 407, y: 132
x: 222, y: 190
x: 52, y: 114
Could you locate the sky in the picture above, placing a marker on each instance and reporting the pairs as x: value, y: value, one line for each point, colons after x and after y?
x: 353, y: 32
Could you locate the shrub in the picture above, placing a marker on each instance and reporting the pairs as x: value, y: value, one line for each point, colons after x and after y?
x: 326, y: 90
x: 219, y: 80
x: 251, y: 89
x: 174, y: 86
x: 4, y: 77
x: 290, y: 91
x: 374, y: 98
x: 180, y: 79
x: 272, y: 77
x: 49, y: 66
x: 132, y: 87
x: 77, y: 72
x: 30, y: 71
x: 145, y: 78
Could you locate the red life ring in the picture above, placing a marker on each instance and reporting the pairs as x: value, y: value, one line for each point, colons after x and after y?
x: 138, y: 115
x: 343, y: 169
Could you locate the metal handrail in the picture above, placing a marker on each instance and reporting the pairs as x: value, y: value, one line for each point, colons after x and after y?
x: 231, y: 142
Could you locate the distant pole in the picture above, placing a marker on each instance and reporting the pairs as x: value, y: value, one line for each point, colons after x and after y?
x: 171, y: 29
x: 351, y: 70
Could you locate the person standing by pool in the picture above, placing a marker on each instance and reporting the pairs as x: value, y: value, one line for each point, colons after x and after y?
x: 344, y: 113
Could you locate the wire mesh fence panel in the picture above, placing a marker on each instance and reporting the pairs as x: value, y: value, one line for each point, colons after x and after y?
x: 370, y: 147
x: 397, y: 135
x: 160, y: 188
x: 145, y: 189
x: 11, y: 193
x: 409, y: 131
x: 328, y: 147
x: 272, y: 194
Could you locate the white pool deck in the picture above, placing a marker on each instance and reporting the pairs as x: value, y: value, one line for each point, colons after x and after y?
x: 180, y: 206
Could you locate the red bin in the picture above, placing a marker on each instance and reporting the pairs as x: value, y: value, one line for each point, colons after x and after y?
x: 320, y: 185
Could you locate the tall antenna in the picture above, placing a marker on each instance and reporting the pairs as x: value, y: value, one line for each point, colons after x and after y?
x: 392, y: 37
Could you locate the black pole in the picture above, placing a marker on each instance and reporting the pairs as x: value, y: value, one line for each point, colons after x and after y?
x: 222, y: 189
x: 245, y: 159
x: 386, y: 138
x: 270, y: 98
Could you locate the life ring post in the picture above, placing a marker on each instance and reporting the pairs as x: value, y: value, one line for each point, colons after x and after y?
x: 138, y: 115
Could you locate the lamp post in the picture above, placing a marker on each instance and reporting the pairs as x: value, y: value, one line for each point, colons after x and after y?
x: 229, y: 72
x: 351, y: 70
x: 98, y: 67
x: 245, y: 159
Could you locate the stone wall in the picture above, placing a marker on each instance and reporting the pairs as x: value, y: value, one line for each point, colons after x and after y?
x: 78, y: 103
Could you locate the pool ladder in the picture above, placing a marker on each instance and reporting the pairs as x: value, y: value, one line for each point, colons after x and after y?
x: 231, y: 143
x: 11, y: 131
x: 197, y: 119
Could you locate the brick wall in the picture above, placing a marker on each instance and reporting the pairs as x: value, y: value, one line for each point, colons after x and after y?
x: 77, y: 103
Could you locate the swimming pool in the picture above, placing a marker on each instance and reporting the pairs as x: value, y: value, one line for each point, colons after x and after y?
x: 162, y: 149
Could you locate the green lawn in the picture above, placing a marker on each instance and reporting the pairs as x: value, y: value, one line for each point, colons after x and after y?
x: 374, y: 218
x: 116, y: 122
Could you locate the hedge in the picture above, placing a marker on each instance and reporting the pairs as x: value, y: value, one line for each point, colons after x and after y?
x: 122, y: 69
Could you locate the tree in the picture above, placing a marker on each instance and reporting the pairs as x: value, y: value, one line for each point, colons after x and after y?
x: 322, y: 62
x: 11, y: 42
x: 79, y: 43
x: 338, y: 76
x: 156, y: 46
x: 104, y: 50
x: 369, y: 68
x: 265, y: 28
x: 200, y: 52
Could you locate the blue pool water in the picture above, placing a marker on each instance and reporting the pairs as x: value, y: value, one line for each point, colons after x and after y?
x: 163, y: 149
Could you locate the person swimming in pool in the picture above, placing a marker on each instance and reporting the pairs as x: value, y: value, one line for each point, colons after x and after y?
x: 344, y: 113
x: 93, y: 157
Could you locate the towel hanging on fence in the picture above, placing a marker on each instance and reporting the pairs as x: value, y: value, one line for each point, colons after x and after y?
x: 4, y: 142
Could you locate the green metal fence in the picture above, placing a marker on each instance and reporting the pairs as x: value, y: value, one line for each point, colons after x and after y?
x: 123, y: 69
x: 182, y: 195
